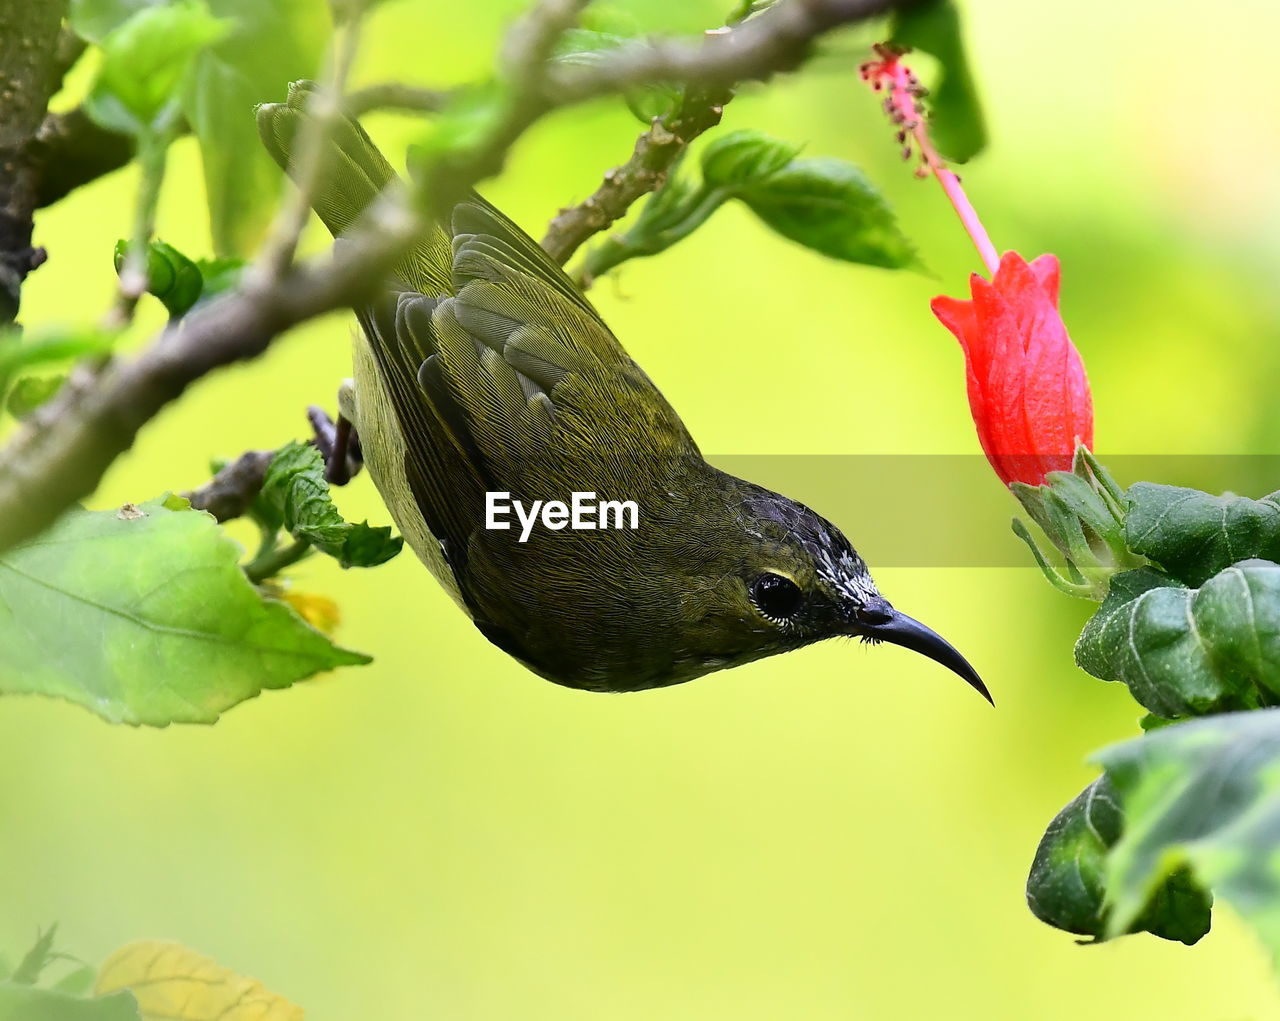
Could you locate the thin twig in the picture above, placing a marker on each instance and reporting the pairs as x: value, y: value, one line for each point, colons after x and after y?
x: 394, y: 96
x: 231, y: 491
x: 646, y: 171
x: 271, y: 562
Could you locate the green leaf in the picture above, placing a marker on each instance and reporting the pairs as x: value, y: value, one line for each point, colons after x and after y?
x: 171, y: 276
x: 744, y: 157
x: 143, y: 615
x: 1067, y: 884
x: 272, y: 45
x: 956, y: 125
x: 77, y: 982
x: 49, y: 345
x: 466, y: 120
x: 94, y: 20
x: 586, y: 47
x: 219, y: 275
x: 296, y: 495
x: 596, y: 46
x: 1188, y: 652
x: 1203, y: 794
x: 830, y: 206
x: 25, y: 1003
x: 144, y: 62
x: 1193, y: 535
x: 30, y: 392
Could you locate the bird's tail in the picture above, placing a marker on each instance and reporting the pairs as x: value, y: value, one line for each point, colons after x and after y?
x: 352, y: 173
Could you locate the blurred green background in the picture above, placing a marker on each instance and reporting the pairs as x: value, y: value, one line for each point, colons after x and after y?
x: 840, y: 833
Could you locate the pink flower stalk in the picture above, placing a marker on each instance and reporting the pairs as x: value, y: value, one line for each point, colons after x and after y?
x: 1028, y: 392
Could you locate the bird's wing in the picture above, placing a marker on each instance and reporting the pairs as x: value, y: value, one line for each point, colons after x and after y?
x: 511, y: 384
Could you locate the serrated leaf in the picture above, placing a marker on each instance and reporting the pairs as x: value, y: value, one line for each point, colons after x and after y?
x: 1067, y: 884
x: 1203, y: 794
x: 172, y: 983
x: 1194, y: 535
x: 144, y: 62
x: 171, y: 276
x: 1188, y: 652
x: 957, y: 125
x: 272, y: 45
x: 830, y: 206
x: 143, y: 615
x: 296, y: 495
x: 26, y: 1003
x: 744, y: 157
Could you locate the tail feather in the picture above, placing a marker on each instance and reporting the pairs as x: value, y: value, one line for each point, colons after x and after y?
x: 352, y: 174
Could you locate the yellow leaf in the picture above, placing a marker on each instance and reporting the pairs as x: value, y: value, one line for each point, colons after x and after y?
x: 172, y: 983
x: 320, y: 612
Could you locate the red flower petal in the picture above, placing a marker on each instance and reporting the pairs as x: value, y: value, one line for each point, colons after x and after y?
x: 1027, y: 387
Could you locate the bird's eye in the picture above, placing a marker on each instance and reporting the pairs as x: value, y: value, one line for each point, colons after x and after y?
x: 777, y: 597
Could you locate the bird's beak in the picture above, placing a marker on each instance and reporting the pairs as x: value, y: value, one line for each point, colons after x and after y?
x: 899, y: 629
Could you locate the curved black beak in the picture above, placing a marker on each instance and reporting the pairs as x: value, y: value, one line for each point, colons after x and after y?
x: 885, y: 624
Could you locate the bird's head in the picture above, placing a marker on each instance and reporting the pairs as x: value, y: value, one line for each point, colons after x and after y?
x: 794, y: 580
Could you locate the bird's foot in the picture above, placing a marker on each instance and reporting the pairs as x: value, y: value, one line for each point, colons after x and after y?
x: 339, y: 445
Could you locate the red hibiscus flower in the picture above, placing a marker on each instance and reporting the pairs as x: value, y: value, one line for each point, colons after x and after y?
x: 1027, y: 387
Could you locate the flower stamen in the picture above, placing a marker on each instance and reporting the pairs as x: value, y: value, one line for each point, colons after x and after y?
x: 902, y: 105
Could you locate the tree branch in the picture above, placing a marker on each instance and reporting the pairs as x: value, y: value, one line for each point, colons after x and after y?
x: 778, y: 40
x: 394, y: 96
x: 30, y: 71
x: 61, y: 451
x: 655, y: 152
x: 71, y: 150
x: 230, y: 492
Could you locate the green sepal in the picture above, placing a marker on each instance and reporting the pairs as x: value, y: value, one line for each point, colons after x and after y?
x: 1081, y: 513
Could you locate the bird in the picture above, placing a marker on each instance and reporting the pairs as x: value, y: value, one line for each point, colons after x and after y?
x: 481, y: 368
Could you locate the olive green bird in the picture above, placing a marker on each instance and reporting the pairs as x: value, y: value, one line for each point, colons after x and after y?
x: 483, y: 369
